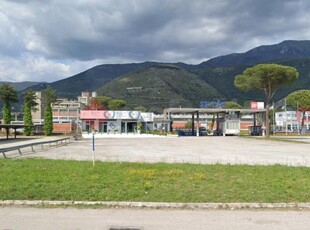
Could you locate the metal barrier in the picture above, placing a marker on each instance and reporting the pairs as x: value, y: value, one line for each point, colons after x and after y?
x: 19, y: 147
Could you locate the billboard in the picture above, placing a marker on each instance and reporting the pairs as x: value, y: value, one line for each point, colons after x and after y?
x: 257, y: 105
x: 212, y: 104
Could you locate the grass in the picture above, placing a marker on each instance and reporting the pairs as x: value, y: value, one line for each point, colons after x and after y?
x: 39, y: 179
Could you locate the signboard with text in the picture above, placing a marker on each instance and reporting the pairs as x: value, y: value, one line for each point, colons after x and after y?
x: 257, y: 105
x: 212, y: 104
x: 116, y: 115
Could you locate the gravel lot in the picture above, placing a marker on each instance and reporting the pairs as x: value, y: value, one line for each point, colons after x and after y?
x: 202, y: 150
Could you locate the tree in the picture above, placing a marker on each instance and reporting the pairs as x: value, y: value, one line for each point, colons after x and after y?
x: 48, y: 121
x: 268, y: 78
x: 27, y: 120
x: 116, y: 104
x: 189, y: 125
x: 140, y: 108
x: 104, y: 100
x: 48, y: 97
x: 301, y: 101
x: 232, y: 105
x: 94, y: 104
x: 29, y: 104
x: 8, y: 95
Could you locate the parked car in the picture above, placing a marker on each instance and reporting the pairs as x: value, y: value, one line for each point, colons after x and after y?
x: 203, y: 131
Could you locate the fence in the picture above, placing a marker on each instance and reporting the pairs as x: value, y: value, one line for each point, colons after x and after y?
x: 31, y: 145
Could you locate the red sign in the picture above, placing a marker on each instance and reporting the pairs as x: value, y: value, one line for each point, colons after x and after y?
x: 257, y: 105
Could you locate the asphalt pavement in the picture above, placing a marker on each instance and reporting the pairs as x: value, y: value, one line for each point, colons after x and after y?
x: 150, y: 219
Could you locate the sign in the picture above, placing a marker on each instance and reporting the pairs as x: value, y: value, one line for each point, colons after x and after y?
x: 212, y: 104
x: 116, y: 115
x: 257, y: 105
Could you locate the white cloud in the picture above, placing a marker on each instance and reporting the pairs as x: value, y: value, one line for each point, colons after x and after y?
x: 51, y: 39
x: 32, y: 68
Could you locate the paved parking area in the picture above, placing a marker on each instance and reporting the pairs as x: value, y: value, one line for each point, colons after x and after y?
x: 202, y: 150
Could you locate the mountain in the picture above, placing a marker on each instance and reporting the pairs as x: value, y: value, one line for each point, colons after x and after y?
x: 222, y: 79
x: 90, y: 79
x: 159, y: 86
x: 266, y: 53
x: 216, y: 75
x: 19, y: 86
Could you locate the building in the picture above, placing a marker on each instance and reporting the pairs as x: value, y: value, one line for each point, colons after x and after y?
x: 115, y: 122
x: 64, y: 109
x: 65, y: 113
x: 291, y: 121
x: 86, y: 97
x: 38, y: 114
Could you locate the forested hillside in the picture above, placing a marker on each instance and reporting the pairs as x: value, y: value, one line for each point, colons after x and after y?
x: 160, y: 86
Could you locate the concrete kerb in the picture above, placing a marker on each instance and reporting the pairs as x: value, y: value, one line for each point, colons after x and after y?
x: 157, y: 205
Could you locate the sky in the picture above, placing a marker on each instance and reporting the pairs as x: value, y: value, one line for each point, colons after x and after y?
x: 49, y: 40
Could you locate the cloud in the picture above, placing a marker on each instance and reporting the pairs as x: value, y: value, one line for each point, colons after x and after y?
x: 63, y: 36
x: 31, y: 68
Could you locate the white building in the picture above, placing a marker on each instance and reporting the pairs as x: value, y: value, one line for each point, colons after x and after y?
x: 291, y: 121
x: 109, y: 121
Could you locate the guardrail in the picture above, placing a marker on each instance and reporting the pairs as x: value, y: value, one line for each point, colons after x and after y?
x: 19, y: 147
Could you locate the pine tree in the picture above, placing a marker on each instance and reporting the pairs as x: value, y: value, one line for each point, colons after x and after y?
x: 29, y: 104
x: 7, y: 112
x: 27, y: 120
x: 48, y: 120
x: 268, y: 78
x: 8, y: 95
x: 48, y: 97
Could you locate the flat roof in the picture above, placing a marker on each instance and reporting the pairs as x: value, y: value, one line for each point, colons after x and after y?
x: 212, y: 110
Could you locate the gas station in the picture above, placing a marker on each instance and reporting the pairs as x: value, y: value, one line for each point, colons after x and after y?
x: 227, y: 120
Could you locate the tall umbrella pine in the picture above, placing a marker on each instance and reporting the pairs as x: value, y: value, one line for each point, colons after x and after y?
x: 268, y: 78
x: 8, y: 95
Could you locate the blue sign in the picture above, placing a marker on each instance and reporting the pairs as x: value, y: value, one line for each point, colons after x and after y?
x: 212, y: 104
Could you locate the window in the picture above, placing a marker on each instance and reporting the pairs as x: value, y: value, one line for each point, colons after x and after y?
x: 289, y: 127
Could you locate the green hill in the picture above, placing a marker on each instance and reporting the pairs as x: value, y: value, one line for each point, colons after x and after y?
x: 160, y: 86
x: 90, y: 79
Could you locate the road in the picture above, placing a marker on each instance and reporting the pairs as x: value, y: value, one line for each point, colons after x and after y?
x: 149, y: 219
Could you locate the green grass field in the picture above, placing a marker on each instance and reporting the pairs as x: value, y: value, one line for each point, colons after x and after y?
x: 38, y: 179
